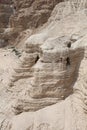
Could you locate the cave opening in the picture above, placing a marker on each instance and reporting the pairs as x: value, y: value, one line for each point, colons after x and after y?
x: 61, y: 59
x: 69, y: 45
x: 37, y: 58
x: 67, y: 61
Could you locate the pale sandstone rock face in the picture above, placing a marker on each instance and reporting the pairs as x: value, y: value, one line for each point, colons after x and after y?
x: 65, y: 115
x: 51, y: 70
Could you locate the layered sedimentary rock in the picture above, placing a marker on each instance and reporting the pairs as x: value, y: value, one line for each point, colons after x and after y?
x: 5, y: 13
x: 68, y: 114
x: 49, y: 62
x: 65, y: 112
x: 51, y: 70
x: 17, y: 16
x: 32, y: 13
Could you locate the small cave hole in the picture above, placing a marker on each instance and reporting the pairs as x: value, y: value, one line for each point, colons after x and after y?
x: 37, y: 58
x: 14, y: 7
x: 69, y: 45
x: 67, y: 61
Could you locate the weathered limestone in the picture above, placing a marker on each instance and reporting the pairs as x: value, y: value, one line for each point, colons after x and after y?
x: 52, y: 78
x: 5, y: 13
x: 51, y: 70
x: 70, y: 113
x: 50, y: 63
x: 32, y: 13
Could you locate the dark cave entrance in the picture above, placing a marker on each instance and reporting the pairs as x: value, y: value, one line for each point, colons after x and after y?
x: 67, y: 61
x: 69, y: 45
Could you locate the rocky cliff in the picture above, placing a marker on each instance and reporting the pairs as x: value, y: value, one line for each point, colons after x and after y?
x: 45, y: 87
x: 23, y: 15
x: 5, y: 13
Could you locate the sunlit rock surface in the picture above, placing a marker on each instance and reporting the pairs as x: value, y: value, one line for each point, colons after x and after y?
x: 45, y: 88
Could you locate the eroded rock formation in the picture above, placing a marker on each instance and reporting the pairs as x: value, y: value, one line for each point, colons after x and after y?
x: 47, y: 87
x: 5, y: 13
x: 32, y: 13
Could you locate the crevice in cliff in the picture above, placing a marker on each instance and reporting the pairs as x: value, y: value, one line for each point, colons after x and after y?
x: 68, y: 61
